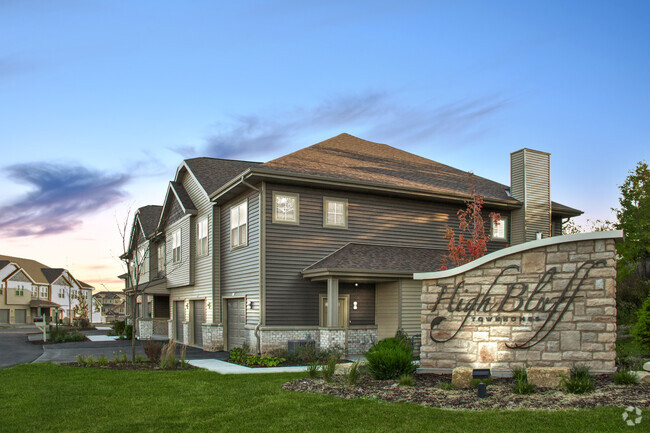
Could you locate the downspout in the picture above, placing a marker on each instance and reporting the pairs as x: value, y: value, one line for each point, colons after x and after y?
x: 258, y: 337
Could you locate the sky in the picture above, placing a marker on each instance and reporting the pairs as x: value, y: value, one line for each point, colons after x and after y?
x: 100, y: 101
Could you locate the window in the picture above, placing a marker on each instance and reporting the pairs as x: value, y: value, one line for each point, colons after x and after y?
x: 43, y: 291
x: 176, y: 246
x: 20, y: 290
x: 239, y: 225
x: 499, y: 229
x: 34, y: 291
x: 202, y: 237
x: 61, y: 293
x: 285, y: 208
x: 161, y: 258
x: 335, y: 212
x: 143, y: 258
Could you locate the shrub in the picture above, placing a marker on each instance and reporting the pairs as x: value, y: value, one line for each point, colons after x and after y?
x: 168, y: 355
x: 390, y: 359
x: 580, y: 381
x: 119, y: 327
x: 313, y: 370
x: 128, y: 332
x: 522, y: 386
x: 74, y: 336
x: 102, y: 361
x: 625, y: 377
x: 329, y: 368
x: 641, y: 329
x: 353, y: 373
x: 82, y: 323
x: 448, y: 386
x: 239, y: 355
x: 153, y: 349
x: 120, y: 357
x: 406, y: 380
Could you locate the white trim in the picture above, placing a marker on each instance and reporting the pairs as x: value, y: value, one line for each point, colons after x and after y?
x: 553, y: 240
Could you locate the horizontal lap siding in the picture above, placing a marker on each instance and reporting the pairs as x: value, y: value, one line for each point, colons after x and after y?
x: 240, y: 267
x: 178, y: 275
x: 386, y: 315
x: 293, y: 300
x: 411, y: 306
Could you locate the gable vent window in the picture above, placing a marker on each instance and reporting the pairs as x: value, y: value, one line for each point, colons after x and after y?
x: 202, y: 237
x: 161, y: 259
x: 176, y: 246
x: 285, y: 208
x: 239, y: 225
x: 335, y: 212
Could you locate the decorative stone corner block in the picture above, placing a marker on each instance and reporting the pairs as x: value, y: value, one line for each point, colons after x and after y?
x: 462, y: 377
x: 547, y: 377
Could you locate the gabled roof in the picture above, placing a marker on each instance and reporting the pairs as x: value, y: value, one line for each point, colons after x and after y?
x: 51, y: 274
x: 31, y: 267
x: 351, y: 158
x: 183, y: 197
x: 85, y: 285
x: 149, y: 216
x: 213, y: 173
x: 364, y: 258
x: 4, y: 263
x: 563, y: 211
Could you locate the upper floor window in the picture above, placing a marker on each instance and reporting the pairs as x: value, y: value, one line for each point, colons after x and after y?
x: 239, y: 225
x: 285, y: 208
x: 176, y: 246
x: 34, y: 291
x: 61, y: 293
x: 161, y: 257
x: 499, y: 229
x: 202, y: 237
x: 43, y: 291
x: 2, y: 286
x: 143, y: 258
x: 335, y: 212
x: 20, y: 290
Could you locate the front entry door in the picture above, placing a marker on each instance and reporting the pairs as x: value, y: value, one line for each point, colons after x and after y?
x: 236, y: 322
x: 343, y: 311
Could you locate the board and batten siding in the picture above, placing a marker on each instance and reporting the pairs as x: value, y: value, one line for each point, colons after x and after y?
x: 292, y: 299
x: 202, y: 265
x: 240, y: 266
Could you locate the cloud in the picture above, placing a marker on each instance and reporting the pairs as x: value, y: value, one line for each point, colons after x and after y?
x: 374, y: 115
x: 60, y: 197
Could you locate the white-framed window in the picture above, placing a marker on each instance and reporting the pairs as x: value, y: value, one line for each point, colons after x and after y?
x: 43, y: 291
x: 143, y: 258
x: 176, y: 246
x: 499, y: 229
x: 335, y: 212
x: 34, y: 291
x: 20, y: 290
x: 161, y: 257
x: 286, y: 208
x: 2, y: 286
x: 239, y: 224
x: 202, y: 236
x: 61, y: 293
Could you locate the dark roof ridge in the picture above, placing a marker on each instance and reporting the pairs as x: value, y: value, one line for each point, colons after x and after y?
x: 222, y: 159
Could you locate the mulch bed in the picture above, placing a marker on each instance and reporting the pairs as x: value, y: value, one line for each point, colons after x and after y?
x: 143, y: 365
x: 500, y: 396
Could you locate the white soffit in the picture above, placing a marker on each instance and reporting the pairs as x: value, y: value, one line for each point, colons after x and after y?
x: 553, y: 240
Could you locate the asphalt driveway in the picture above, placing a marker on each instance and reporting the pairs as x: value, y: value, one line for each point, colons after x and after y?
x: 14, y: 347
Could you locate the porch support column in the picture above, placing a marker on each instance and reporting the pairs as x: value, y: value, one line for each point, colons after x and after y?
x: 332, y: 303
x: 145, y: 306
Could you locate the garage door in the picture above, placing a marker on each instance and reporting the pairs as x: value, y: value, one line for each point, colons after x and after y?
x: 21, y: 316
x: 236, y: 322
x: 4, y: 316
x: 179, y: 317
x: 199, y: 318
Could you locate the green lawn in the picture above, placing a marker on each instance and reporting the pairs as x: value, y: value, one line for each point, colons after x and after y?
x: 53, y: 398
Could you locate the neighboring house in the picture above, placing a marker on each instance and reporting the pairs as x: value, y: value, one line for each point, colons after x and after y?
x: 30, y: 289
x: 108, y: 306
x: 247, y: 252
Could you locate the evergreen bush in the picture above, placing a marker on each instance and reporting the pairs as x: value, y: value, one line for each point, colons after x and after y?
x: 390, y: 359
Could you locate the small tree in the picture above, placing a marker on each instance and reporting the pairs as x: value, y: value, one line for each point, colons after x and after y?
x: 641, y: 330
x: 472, y: 240
x: 634, y: 220
x: 571, y: 227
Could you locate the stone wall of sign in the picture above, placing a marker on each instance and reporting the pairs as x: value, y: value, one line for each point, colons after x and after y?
x: 547, y: 306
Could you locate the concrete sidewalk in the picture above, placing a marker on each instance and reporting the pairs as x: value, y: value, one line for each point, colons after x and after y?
x: 223, y: 367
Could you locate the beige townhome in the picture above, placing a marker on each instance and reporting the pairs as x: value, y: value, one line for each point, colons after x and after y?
x: 257, y: 253
x: 30, y: 289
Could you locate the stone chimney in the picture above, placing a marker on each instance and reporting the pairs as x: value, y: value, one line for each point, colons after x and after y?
x: 530, y: 183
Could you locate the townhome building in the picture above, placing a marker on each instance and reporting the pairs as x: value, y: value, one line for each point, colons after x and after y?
x: 108, y: 306
x: 258, y: 253
x: 30, y: 289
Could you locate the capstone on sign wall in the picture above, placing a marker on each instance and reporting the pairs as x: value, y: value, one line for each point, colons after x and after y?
x: 545, y: 303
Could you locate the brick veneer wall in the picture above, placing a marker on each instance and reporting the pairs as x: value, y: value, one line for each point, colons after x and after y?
x: 585, y: 334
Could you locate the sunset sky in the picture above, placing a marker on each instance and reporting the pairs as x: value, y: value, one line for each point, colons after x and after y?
x: 101, y: 100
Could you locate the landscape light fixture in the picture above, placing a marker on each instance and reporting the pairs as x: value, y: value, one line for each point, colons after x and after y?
x: 481, y: 374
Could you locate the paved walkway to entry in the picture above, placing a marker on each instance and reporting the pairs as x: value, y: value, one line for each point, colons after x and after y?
x: 224, y: 367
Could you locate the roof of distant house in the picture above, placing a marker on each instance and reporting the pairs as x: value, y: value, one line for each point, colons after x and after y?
x: 32, y: 267
x: 388, y: 258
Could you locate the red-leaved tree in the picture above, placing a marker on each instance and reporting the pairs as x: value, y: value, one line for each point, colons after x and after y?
x: 471, y: 242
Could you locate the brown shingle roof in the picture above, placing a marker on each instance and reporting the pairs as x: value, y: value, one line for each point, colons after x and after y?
x: 213, y: 173
x: 32, y: 267
x: 357, y: 256
x: 351, y: 158
x: 149, y: 216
